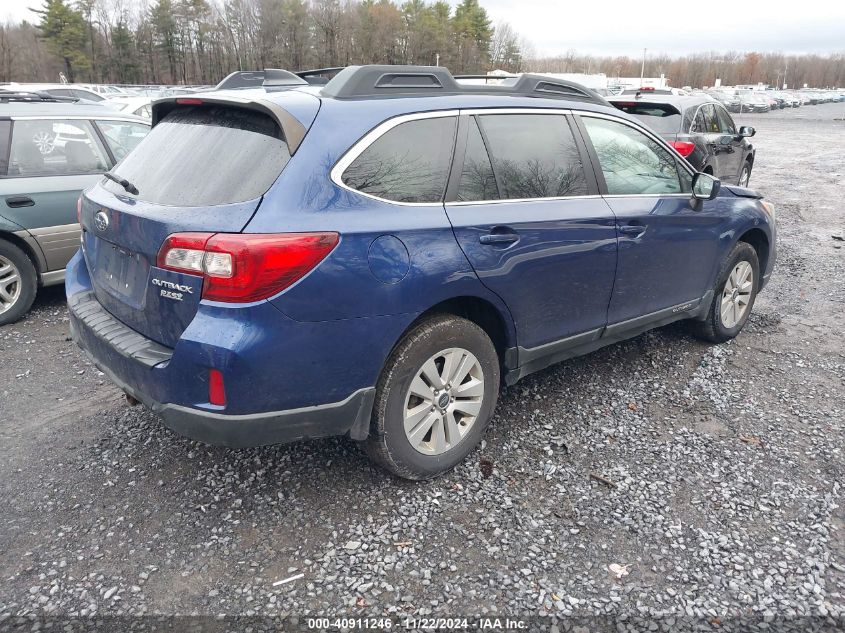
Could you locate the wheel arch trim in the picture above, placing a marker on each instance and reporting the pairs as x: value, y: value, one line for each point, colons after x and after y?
x: 29, y: 245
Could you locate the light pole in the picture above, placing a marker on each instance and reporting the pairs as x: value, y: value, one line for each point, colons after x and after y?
x: 642, y: 68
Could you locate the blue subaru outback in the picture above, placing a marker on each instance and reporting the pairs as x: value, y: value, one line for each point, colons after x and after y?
x: 375, y: 257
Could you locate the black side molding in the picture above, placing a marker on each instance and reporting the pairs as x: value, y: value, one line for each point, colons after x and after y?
x: 536, y: 358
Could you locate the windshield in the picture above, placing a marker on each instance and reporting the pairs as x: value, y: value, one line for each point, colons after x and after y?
x: 203, y: 156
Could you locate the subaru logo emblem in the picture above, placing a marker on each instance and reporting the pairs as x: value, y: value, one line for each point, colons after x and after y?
x: 101, y: 221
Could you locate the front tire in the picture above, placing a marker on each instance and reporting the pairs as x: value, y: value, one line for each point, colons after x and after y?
x: 434, y: 399
x: 745, y: 174
x: 18, y: 283
x: 733, y: 296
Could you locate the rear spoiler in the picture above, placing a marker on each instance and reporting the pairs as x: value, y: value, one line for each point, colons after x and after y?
x: 292, y: 129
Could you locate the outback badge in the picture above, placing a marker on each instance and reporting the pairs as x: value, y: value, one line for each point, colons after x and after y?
x: 170, y: 290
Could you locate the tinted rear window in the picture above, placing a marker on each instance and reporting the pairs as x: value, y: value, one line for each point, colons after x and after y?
x: 205, y: 155
x: 660, y: 117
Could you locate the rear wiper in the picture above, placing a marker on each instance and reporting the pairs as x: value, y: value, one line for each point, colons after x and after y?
x: 128, y: 186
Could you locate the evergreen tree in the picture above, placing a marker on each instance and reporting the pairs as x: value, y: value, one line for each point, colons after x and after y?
x: 473, y: 33
x: 64, y: 30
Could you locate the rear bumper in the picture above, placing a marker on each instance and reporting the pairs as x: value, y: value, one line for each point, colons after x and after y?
x: 351, y: 415
x: 173, y: 383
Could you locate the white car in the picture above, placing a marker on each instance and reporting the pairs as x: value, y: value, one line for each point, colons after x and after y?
x: 105, y: 90
x: 69, y: 91
x: 133, y: 105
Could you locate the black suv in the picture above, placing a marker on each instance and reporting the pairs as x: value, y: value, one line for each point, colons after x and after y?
x: 700, y: 129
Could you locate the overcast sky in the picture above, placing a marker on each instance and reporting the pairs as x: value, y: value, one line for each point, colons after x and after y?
x: 625, y: 27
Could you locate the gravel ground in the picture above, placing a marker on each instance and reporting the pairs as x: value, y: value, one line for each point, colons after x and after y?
x: 658, y: 477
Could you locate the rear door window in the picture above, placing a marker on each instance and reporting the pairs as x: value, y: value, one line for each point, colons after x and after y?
x: 408, y: 163
x: 533, y: 155
x: 55, y: 148
x: 477, y: 179
x: 205, y: 155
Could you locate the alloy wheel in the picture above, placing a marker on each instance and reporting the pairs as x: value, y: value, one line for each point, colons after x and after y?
x: 443, y: 401
x: 744, y: 177
x: 44, y: 141
x: 10, y: 284
x: 736, y: 295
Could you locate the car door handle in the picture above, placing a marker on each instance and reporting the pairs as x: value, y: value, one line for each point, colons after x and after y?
x: 498, y: 238
x: 19, y: 201
x: 632, y: 229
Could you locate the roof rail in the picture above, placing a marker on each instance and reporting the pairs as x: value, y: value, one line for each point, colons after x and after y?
x: 388, y: 81
x: 34, y: 96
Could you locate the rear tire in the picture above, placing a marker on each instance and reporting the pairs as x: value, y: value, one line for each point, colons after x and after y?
x: 434, y: 399
x: 18, y: 283
x: 733, y: 296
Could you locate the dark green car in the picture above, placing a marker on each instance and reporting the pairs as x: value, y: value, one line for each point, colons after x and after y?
x: 49, y: 153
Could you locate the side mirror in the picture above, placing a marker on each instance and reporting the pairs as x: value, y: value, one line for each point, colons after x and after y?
x: 747, y: 130
x: 705, y: 186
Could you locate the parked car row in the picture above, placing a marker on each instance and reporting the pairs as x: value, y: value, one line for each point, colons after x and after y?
x: 739, y: 100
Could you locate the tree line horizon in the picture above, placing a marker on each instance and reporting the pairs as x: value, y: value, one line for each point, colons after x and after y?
x: 198, y: 42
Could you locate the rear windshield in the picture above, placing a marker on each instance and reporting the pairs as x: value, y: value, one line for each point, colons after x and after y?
x: 660, y: 117
x: 203, y: 156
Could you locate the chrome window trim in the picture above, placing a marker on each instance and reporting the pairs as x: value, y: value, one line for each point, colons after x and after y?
x: 652, y: 136
x: 694, y: 117
x: 336, y: 174
x: 466, y: 203
x: 373, y: 135
x: 648, y: 195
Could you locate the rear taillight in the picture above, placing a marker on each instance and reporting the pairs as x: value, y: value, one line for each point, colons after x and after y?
x: 188, y: 101
x: 240, y: 267
x: 684, y: 148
